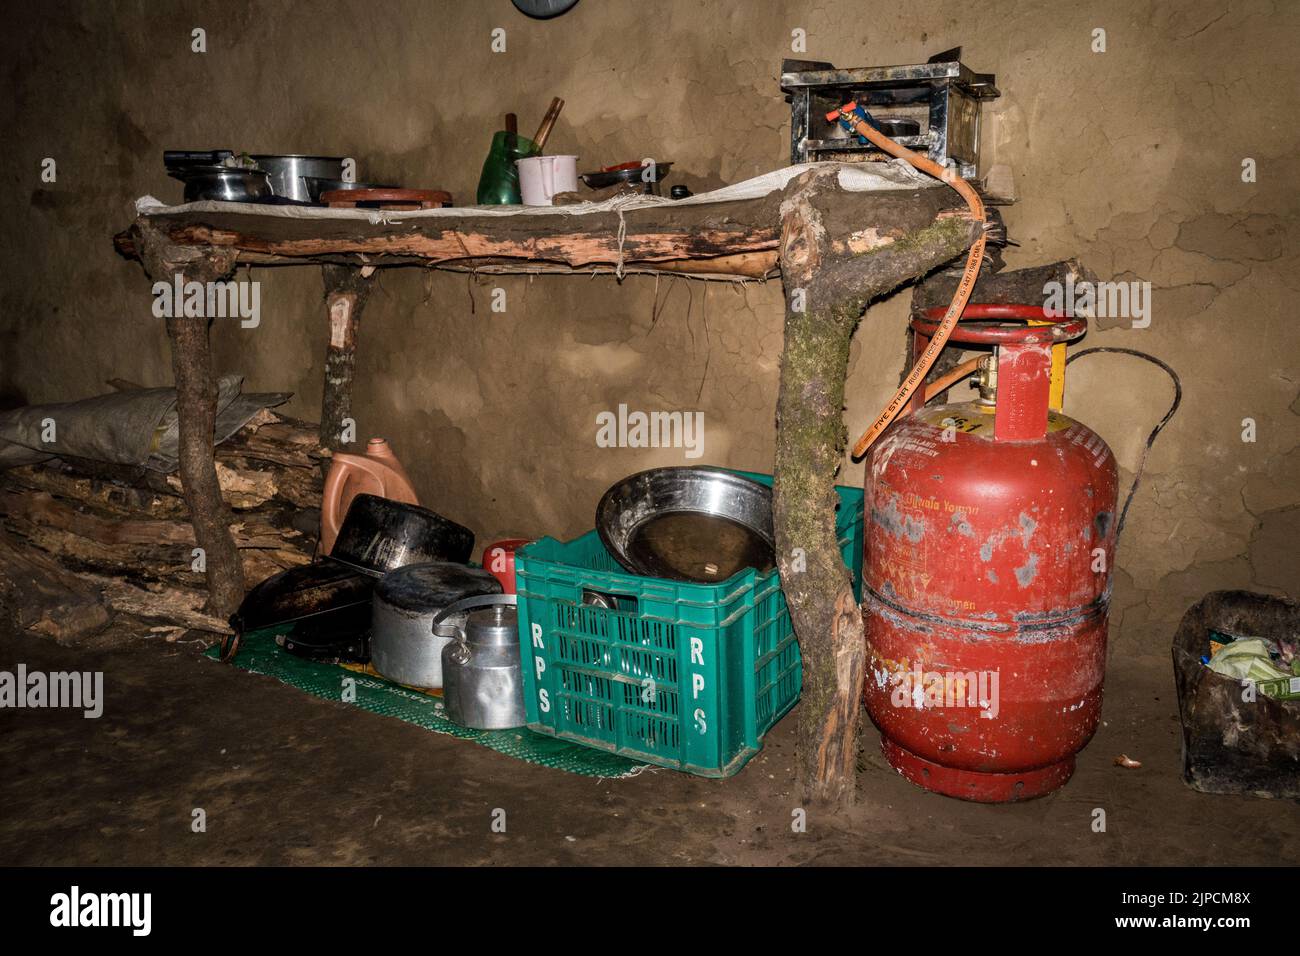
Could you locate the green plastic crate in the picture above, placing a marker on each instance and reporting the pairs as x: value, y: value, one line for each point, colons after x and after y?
x: 688, y: 676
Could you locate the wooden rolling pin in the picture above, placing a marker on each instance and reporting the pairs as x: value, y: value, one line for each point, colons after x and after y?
x: 548, y: 123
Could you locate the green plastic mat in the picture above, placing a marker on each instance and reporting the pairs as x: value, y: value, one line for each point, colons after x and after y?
x: 259, y: 654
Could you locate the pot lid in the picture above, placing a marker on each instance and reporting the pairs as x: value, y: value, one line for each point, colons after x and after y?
x: 492, y: 627
x: 429, y: 587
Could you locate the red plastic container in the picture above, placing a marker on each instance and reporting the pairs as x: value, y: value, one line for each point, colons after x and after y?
x: 499, y: 561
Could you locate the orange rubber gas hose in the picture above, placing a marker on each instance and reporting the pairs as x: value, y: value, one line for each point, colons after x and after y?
x: 922, y: 365
x: 969, y: 367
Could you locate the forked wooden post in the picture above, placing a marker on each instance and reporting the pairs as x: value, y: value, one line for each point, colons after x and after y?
x: 831, y: 271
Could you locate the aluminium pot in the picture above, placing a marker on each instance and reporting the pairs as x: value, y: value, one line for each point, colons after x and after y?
x: 482, y: 677
x: 287, y: 172
x: 403, y: 646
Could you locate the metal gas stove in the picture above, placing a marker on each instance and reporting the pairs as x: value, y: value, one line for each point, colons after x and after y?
x: 933, y: 106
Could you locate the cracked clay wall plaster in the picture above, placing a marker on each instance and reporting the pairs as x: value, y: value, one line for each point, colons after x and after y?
x: 1129, y: 159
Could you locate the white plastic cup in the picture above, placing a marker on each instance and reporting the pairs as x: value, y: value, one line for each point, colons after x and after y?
x: 541, y: 177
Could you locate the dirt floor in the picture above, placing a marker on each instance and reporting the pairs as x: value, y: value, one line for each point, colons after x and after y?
x: 285, y: 778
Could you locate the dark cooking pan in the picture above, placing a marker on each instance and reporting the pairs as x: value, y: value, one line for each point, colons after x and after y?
x: 627, y: 173
x: 302, y: 592
x: 327, y: 604
x: 380, y: 535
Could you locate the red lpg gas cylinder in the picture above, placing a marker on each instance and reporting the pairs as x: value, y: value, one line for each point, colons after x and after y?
x: 987, y: 571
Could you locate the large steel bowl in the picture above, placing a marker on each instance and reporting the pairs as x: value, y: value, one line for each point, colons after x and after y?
x: 688, y: 524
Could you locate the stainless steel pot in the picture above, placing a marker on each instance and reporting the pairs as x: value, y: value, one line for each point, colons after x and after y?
x: 227, y: 183
x: 403, y: 647
x: 482, y: 677
x: 287, y: 172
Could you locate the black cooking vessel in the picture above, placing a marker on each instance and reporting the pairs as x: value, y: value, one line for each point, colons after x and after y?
x: 308, y: 592
x: 380, y: 535
x: 327, y: 606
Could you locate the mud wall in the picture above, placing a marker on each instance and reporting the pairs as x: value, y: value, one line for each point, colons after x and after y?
x: 1130, y: 159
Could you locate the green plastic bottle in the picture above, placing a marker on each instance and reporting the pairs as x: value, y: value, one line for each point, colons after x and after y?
x: 498, y: 184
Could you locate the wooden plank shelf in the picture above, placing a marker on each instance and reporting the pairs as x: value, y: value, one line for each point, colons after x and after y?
x: 735, y: 239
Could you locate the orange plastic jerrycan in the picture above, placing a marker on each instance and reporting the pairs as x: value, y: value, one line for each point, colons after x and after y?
x: 377, y: 472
